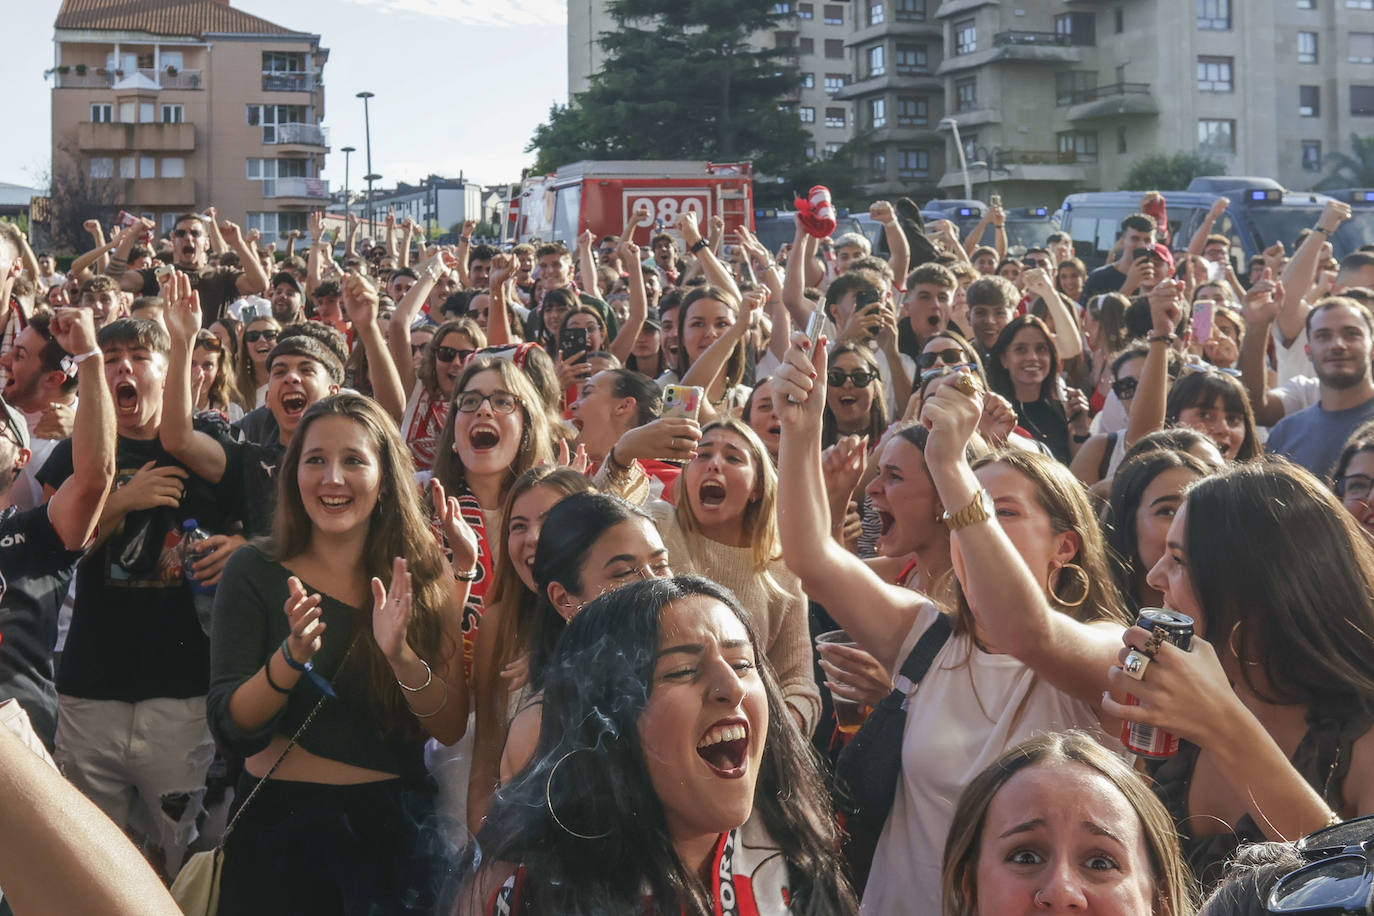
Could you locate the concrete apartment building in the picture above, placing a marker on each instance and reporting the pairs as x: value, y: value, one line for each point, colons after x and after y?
x: 815, y: 32
x: 187, y: 104
x: 1054, y: 96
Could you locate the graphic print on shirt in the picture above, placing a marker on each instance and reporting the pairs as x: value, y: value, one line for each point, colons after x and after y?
x: 144, y: 553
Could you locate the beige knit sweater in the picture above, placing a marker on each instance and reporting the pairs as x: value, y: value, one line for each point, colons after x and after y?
x: 780, y: 619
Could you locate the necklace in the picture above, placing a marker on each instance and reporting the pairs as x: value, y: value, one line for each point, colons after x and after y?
x: 1024, y: 417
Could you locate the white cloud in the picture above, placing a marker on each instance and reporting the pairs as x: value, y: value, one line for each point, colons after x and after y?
x: 478, y: 12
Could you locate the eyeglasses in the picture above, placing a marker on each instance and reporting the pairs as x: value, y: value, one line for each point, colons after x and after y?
x: 1338, y: 880
x: 500, y: 401
x: 449, y: 354
x: 416, y: 348
x: 1125, y: 388
x: 950, y: 357
x: 183, y: 233
x: 860, y: 377
x: 12, y: 429
x: 255, y: 336
x: 1355, y: 487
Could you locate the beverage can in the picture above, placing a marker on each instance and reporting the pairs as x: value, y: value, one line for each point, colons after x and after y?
x: 1149, y: 740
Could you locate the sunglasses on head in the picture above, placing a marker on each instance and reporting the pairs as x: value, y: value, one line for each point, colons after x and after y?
x: 1338, y: 879
x: 1124, y: 388
x: 860, y: 377
x: 951, y: 356
x: 449, y: 354
x: 264, y: 334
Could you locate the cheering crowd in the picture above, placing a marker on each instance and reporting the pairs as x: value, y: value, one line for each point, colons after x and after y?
x: 686, y: 576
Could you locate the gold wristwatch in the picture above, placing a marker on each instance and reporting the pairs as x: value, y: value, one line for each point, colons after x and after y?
x: 979, y: 510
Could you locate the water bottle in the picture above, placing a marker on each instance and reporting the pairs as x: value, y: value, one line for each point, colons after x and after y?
x: 192, y: 536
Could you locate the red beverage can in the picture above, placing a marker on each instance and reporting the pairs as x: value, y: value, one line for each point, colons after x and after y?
x: 1149, y: 740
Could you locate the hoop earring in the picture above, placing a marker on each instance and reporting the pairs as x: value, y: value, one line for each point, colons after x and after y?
x: 1087, y: 585
x: 1231, y: 645
x: 548, y: 798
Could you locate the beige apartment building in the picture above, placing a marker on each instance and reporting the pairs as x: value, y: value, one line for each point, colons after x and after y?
x: 187, y: 104
x: 814, y: 32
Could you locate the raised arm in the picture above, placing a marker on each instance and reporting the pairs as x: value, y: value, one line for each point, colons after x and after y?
x: 75, y: 508
x: 1152, y: 392
x: 1298, y: 276
x: 200, y: 452
x: 975, y: 236
x: 217, y: 243
x: 360, y: 305
x: 291, y: 238
x: 1261, y: 308
x: 351, y: 238
x: 253, y: 280
x: 391, y: 233
x: 82, y: 267
x: 1204, y: 228
x: 118, y: 269
x: 407, y: 234
x: 464, y: 247
x: 398, y: 344
x: 711, y: 363
x: 625, y: 338
x: 498, y: 315
x: 1068, y: 339
x: 716, y: 273
x: 899, y: 250
x: 314, y: 266
x: 794, y: 278
x: 586, y: 261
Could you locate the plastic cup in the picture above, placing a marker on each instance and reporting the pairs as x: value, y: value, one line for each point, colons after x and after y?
x: 848, y: 714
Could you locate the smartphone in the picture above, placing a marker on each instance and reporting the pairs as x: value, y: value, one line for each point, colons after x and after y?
x: 864, y: 299
x: 682, y: 401
x: 572, y: 341
x: 995, y: 200
x: 1203, y: 310
x: 1140, y: 253
x: 164, y: 271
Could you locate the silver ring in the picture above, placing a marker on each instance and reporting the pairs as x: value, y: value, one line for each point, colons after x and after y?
x: 1135, y: 664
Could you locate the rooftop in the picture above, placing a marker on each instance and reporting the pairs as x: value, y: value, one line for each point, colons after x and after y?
x: 193, y: 18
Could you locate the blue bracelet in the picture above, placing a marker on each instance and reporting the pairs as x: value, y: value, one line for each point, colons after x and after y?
x: 309, y: 671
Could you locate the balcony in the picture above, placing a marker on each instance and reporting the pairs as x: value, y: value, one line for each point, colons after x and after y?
x: 151, y: 138
x: 904, y: 78
x: 310, y: 137
x: 1112, y: 100
x: 900, y: 28
x: 296, y: 191
x: 100, y: 78
x: 1018, y: 47
x: 159, y: 193
x: 287, y: 81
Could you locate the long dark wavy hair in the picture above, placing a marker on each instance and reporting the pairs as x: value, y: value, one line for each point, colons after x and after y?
x: 399, y: 527
x: 595, y: 693
x: 1128, y: 488
x: 999, y: 379
x: 1204, y: 387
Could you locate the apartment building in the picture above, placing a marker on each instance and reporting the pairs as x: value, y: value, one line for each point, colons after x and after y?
x: 434, y: 202
x: 814, y: 33
x: 186, y: 104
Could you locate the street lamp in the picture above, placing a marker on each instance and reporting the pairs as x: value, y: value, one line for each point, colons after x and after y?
x: 987, y: 158
x: 347, y: 200
x: 963, y: 162
x: 370, y: 176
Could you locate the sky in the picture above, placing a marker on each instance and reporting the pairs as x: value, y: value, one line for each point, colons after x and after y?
x: 460, y: 85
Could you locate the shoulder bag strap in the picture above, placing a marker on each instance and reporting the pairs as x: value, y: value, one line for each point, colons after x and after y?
x: 922, y: 656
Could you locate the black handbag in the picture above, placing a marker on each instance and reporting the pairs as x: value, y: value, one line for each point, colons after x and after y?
x: 869, y: 766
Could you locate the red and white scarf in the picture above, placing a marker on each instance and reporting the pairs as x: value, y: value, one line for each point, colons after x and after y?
x: 475, y: 605
x: 421, y: 425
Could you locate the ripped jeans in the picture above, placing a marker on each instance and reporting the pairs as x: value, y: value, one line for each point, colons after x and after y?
x: 143, y: 764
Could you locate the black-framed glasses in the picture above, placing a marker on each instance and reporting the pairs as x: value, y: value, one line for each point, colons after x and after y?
x: 1125, y: 388
x: 1355, y: 487
x: 500, y: 401
x: 860, y: 377
x: 12, y: 430
x: 950, y: 357
x: 449, y: 354
x: 1338, y: 881
x: 263, y: 334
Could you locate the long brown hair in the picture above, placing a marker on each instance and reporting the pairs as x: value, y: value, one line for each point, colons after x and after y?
x: 398, y: 528
x: 426, y: 372
x: 223, y: 390
x: 248, y: 382
x: 734, y: 366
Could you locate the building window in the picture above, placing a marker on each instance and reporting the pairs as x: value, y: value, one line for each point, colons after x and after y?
x: 834, y: 48
x: 1359, y: 4
x: 876, y: 14
x: 806, y: 45
x: 1307, y: 47
x: 1307, y: 4
x: 173, y: 167
x: 147, y: 167
x: 806, y: 11
x: 102, y: 114
x: 1362, y: 100
x: 146, y: 110
x: 1361, y: 48
x: 910, y: 10
x: 970, y: 147
x: 835, y: 117
x: 274, y: 225
x: 782, y: 40
x: 1217, y: 135
x: 965, y: 37
x: 283, y: 62
x: 1074, y: 86
x: 1076, y: 28
x: 877, y: 113
x: 1214, y: 14
x: 1214, y: 74
x: 102, y: 167
x: 808, y: 81
x: 1309, y: 101
x: 966, y: 94
x: 1121, y: 140
x: 911, y: 60
x: 810, y: 151
x: 173, y: 114
x: 782, y: 9
x: 128, y: 167
x: 1311, y: 155
x: 913, y: 111
x: 876, y: 67
x: 832, y: 149
x: 1078, y: 147
x: 878, y: 163
x: 913, y: 163
x: 834, y: 14
x: 269, y: 116
x: 834, y: 82
x: 807, y: 114
x: 1119, y: 20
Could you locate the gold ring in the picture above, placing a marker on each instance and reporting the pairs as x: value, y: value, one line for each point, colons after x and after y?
x: 967, y: 384
x: 1151, y: 647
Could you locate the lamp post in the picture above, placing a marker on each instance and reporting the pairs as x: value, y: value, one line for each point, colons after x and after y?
x: 370, y: 176
x: 963, y: 162
x: 347, y: 150
x: 987, y: 158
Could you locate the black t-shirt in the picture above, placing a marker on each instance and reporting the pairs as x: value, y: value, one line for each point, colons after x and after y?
x: 1106, y: 279
x: 250, y: 473
x: 218, y: 286
x: 134, y: 633
x: 35, y: 569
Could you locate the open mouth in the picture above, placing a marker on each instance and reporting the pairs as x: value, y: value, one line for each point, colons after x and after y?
x: 725, y: 748
x: 711, y: 493
x: 775, y: 429
x: 885, y: 520
x: 336, y: 503
x: 188, y: 252
x: 126, y: 397
x: 484, y: 439
x: 293, y: 403
x: 577, y: 423
x: 848, y: 400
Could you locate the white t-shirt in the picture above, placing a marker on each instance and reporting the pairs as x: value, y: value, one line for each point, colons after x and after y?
x: 970, y: 708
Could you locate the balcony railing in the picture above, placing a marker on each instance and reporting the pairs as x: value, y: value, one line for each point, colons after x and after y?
x: 306, y: 134
x: 1092, y: 94
x: 287, y: 81
x: 295, y: 187
x: 100, y: 78
x: 1003, y: 39
x: 1041, y: 157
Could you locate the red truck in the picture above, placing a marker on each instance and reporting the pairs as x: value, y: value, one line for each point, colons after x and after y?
x: 601, y: 196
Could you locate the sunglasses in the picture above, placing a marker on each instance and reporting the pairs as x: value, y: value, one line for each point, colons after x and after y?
x: 183, y: 233
x: 449, y: 354
x: 1355, y: 486
x: 500, y: 401
x: 950, y: 356
x: 255, y: 336
x: 1337, y: 880
x: 860, y: 377
x: 1125, y: 388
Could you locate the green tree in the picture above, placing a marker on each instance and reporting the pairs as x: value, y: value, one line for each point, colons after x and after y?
x: 1169, y: 172
x: 1354, y: 169
x: 682, y: 81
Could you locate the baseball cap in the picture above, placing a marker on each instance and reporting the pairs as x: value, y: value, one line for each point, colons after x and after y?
x: 285, y: 276
x: 1162, y: 252
x: 653, y: 323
